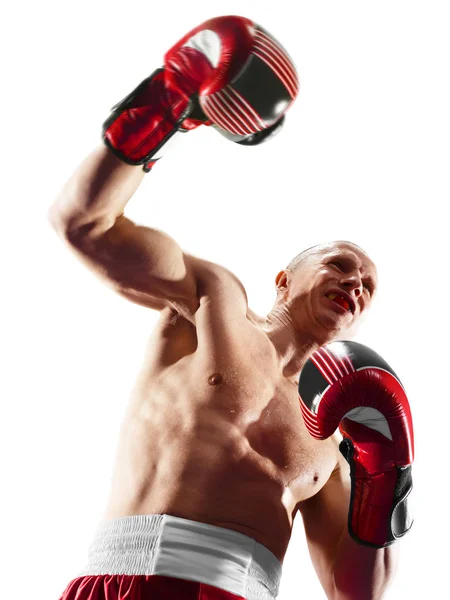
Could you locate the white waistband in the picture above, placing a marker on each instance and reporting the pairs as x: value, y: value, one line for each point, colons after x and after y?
x: 175, y: 547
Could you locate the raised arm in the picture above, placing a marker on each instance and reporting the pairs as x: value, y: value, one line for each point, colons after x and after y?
x: 209, y: 77
x: 143, y: 264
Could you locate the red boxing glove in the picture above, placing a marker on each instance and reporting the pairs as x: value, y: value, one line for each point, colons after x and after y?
x: 228, y: 72
x: 348, y: 385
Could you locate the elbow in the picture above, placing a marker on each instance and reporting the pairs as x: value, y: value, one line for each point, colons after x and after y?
x: 73, y: 229
x: 56, y: 222
x: 63, y: 228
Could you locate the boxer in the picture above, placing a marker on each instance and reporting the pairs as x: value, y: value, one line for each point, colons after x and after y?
x: 223, y: 443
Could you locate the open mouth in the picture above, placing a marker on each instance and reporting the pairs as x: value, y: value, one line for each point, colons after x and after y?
x: 343, y: 301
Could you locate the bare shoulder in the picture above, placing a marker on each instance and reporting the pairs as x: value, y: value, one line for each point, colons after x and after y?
x: 219, y: 284
x: 214, y: 277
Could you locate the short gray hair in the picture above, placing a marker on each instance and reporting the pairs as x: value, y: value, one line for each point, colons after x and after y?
x: 300, y: 258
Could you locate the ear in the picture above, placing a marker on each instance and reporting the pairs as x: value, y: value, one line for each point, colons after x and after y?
x: 281, y: 281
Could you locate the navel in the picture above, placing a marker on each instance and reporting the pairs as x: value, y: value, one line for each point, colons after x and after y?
x: 316, y: 478
x: 215, y: 379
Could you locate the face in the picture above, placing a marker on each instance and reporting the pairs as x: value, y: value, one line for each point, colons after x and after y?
x: 331, y: 291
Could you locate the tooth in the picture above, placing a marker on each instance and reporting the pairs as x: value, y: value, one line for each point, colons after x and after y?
x: 332, y: 296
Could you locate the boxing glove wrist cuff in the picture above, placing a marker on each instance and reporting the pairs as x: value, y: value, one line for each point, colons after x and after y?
x: 144, y: 121
x: 380, y: 505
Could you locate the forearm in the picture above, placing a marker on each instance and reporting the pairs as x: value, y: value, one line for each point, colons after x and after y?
x: 97, y: 192
x: 361, y: 572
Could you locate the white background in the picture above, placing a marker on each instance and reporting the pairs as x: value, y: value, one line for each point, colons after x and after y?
x: 364, y: 157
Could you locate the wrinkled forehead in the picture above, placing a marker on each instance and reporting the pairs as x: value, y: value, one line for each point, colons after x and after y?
x: 346, y: 250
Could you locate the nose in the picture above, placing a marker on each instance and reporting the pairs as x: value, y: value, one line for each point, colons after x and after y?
x: 352, y: 283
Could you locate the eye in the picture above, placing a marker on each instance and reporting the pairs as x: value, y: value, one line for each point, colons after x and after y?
x: 368, y: 288
x: 336, y: 264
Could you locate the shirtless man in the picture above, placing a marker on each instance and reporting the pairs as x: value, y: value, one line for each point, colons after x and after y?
x: 214, y: 458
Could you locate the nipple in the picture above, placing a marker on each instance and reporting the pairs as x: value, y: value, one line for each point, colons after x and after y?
x: 215, y: 379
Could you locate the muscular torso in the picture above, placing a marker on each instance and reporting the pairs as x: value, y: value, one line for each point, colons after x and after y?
x: 213, y: 431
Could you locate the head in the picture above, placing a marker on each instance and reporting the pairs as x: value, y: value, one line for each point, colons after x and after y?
x: 327, y: 290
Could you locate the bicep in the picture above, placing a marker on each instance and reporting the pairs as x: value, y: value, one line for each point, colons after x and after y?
x: 143, y: 264
x: 325, y: 518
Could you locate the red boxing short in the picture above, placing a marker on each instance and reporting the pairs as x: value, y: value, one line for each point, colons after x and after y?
x: 161, y: 557
x: 142, y: 587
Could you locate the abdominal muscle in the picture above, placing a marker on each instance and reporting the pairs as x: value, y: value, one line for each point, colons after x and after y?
x: 228, y: 454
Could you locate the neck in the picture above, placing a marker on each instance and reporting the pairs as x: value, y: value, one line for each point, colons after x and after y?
x: 294, y: 347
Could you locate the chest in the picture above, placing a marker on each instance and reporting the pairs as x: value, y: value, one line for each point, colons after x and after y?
x: 231, y: 390
x: 284, y: 447
x: 248, y: 416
